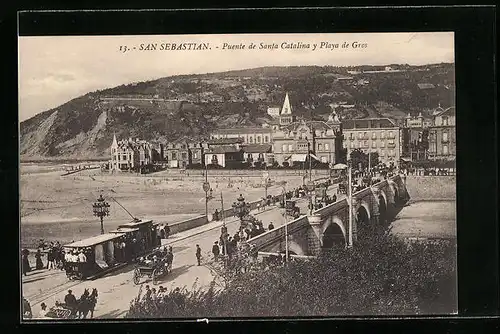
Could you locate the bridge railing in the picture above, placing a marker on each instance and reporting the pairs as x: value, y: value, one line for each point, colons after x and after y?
x: 270, y: 236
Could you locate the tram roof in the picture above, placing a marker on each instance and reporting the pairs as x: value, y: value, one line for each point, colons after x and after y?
x: 136, y: 223
x: 99, y: 239
x: 124, y: 230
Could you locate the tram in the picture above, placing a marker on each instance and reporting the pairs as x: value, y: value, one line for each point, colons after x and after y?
x: 111, y: 251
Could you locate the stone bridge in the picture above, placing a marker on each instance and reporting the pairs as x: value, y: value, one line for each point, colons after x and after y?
x: 308, y: 235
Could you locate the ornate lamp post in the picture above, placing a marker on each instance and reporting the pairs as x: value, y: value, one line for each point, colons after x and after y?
x: 101, y: 209
x: 241, y: 209
x: 206, y: 189
x: 265, y: 177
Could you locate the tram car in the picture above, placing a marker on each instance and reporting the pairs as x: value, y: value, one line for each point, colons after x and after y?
x: 111, y: 251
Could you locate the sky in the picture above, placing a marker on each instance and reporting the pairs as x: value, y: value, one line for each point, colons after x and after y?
x: 56, y: 69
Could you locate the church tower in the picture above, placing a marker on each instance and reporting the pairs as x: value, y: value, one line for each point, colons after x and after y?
x: 286, y: 112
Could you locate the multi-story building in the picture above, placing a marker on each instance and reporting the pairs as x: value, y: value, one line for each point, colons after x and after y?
x: 293, y: 142
x: 442, y: 134
x: 380, y: 135
x: 250, y: 135
x: 178, y: 153
x: 224, y: 152
x: 415, y: 138
x: 128, y: 155
x: 258, y: 154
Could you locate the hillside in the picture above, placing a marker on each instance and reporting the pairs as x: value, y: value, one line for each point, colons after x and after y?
x: 194, y: 105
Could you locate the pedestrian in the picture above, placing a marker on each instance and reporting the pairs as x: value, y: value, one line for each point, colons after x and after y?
x: 271, y: 226
x: 167, y: 231
x: 38, y: 257
x: 216, y: 251
x: 43, y: 312
x: 198, y: 254
x: 26, y: 262
x: 50, y: 258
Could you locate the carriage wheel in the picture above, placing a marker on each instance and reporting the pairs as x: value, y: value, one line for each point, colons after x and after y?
x: 155, y: 276
x: 137, y: 276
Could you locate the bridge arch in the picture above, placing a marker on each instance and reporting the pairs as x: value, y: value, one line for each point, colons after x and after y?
x: 333, y: 233
x: 395, y: 191
x: 382, y: 206
x: 363, y: 215
x: 294, y: 248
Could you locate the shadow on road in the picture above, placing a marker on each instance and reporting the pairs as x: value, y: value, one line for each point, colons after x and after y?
x: 112, y: 315
x: 176, y: 272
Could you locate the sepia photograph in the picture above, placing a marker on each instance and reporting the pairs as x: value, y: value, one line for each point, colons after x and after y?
x: 237, y: 176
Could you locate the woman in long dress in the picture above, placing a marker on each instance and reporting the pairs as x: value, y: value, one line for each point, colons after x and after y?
x: 26, y: 263
x: 39, y: 263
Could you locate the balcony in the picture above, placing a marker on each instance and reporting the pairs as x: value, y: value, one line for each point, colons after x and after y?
x: 391, y: 145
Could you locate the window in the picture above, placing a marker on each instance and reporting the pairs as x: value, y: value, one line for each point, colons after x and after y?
x: 174, y: 155
x: 352, y: 144
x: 327, y: 147
x: 382, y: 153
x: 360, y: 136
x: 113, y: 151
x: 382, y: 135
x: 374, y: 135
x: 251, y: 140
x: 445, y: 136
x: 215, y: 161
x: 195, y: 155
x: 284, y: 148
x: 391, y: 153
x: 365, y: 143
x: 365, y: 135
x: 124, y: 157
x: 382, y: 144
x: 391, y: 134
x: 320, y: 147
x: 445, y: 149
x: 351, y: 136
x: 184, y: 155
x: 258, y: 139
x: 249, y: 157
x: 390, y: 141
x: 445, y: 120
x: 290, y: 147
x: 374, y: 144
x: 266, y: 139
x: 323, y: 160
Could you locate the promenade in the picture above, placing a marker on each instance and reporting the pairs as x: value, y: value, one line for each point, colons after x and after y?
x: 117, y: 289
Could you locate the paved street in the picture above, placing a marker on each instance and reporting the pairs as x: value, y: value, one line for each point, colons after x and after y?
x: 117, y: 289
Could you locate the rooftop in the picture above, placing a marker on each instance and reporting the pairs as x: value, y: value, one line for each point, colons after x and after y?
x: 94, y: 240
x: 368, y: 123
x: 222, y: 149
x: 257, y: 148
x: 223, y: 141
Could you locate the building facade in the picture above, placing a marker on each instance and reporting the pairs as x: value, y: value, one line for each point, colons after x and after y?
x: 224, y: 152
x: 442, y: 135
x: 379, y: 135
x: 258, y: 154
x: 129, y: 155
x: 251, y: 135
x: 293, y: 143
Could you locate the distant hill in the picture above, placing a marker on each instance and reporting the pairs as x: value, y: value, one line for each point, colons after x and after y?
x: 194, y: 105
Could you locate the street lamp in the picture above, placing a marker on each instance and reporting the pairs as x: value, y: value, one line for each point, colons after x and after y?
x: 310, y: 188
x: 265, y: 177
x: 101, y: 209
x: 206, y: 189
x: 241, y: 209
x: 286, y: 226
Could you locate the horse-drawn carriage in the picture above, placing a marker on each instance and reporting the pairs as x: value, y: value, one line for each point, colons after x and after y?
x: 80, y: 310
x: 342, y: 189
x: 154, y: 265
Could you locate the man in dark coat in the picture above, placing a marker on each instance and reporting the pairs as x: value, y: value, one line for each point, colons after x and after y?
x: 26, y: 264
x: 70, y: 301
x: 198, y: 254
x: 271, y: 226
x: 216, y: 250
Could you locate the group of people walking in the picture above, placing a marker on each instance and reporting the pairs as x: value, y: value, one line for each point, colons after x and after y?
x: 55, y: 258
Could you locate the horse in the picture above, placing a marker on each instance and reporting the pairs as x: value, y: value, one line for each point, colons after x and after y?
x: 87, y: 304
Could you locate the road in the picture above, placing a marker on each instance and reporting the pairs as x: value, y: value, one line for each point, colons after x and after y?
x: 117, y: 289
